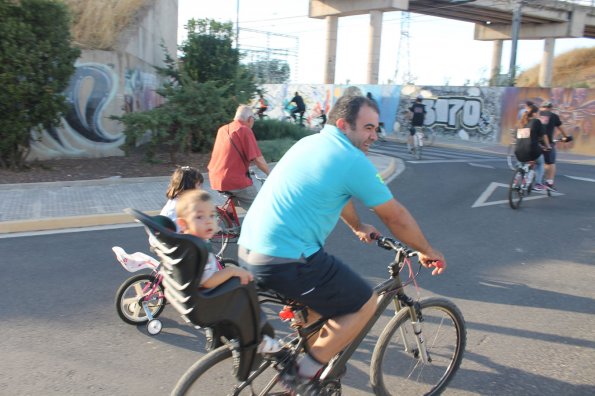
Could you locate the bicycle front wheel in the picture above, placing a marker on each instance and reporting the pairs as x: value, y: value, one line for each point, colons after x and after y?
x: 133, y: 292
x: 515, y: 190
x: 397, y: 367
x: 214, y: 375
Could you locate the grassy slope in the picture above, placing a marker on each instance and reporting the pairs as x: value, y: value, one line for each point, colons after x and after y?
x: 575, y: 68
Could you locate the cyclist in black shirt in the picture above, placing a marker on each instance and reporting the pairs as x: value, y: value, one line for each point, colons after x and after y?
x: 550, y: 121
x: 300, y: 107
x: 417, y: 115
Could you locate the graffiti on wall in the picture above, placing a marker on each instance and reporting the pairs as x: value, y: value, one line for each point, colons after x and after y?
x: 89, y: 96
x: 575, y: 106
x: 139, y: 91
x: 465, y: 113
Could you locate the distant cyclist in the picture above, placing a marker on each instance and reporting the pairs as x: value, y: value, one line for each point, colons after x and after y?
x: 235, y: 149
x: 417, y: 115
x: 300, y: 108
x: 530, y: 137
x: 263, y: 105
x: 550, y: 121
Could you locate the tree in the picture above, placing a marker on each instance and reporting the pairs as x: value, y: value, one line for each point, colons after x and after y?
x: 36, y: 63
x: 272, y: 71
x: 201, y: 93
x: 208, y: 55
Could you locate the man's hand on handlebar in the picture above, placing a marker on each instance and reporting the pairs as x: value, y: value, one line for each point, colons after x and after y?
x: 364, y: 232
x: 434, y: 259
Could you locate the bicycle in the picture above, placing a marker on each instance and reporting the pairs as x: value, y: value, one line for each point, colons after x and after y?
x: 522, y: 183
x: 228, y: 221
x: 419, y: 350
x: 523, y: 180
x: 510, y: 156
x: 140, y: 298
x: 418, y: 142
x: 261, y: 113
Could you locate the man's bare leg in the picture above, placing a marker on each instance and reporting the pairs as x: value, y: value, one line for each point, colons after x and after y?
x: 550, y: 171
x: 337, y: 333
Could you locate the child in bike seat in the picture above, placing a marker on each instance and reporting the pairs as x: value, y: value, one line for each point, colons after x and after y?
x: 184, y: 178
x: 196, y: 215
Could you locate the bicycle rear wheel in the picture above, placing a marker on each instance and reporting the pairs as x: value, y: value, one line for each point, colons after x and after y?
x: 515, y: 190
x: 214, y: 375
x: 396, y: 367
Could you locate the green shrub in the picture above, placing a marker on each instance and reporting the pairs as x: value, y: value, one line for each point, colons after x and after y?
x: 275, y: 129
x: 36, y: 63
x: 273, y: 150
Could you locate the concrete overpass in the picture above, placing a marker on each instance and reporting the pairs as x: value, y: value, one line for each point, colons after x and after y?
x: 493, y: 19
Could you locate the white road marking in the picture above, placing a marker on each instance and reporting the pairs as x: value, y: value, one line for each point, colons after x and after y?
x: 481, y: 165
x: 483, y: 198
x: 581, y: 178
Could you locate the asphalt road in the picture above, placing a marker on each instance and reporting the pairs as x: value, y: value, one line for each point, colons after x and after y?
x: 523, y: 279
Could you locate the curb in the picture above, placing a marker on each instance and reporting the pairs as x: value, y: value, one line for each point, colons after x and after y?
x: 96, y: 182
x: 56, y: 223
x: 389, y: 170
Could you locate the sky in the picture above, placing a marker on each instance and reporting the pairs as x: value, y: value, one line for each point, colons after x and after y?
x: 438, y: 52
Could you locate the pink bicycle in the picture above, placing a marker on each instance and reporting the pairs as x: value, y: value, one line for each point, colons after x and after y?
x: 141, y: 298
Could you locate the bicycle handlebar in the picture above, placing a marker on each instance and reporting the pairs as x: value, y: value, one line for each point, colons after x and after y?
x: 260, y: 179
x: 392, y: 244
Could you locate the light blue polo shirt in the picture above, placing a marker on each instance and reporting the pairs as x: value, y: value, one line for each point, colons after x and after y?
x: 301, y: 201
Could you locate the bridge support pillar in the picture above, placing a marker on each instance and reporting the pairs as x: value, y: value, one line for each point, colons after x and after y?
x: 547, y: 63
x: 496, y: 61
x: 375, y: 35
x: 332, y: 23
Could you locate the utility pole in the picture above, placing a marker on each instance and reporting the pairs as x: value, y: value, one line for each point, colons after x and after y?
x: 237, y: 23
x: 516, y: 27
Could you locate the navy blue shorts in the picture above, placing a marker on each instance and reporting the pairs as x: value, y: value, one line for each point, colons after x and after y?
x: 323, y: 283
x: 550, y: 155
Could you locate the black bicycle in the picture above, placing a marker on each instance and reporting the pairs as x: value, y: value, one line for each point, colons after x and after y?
x: 418, y: 352
x: 522, y: 183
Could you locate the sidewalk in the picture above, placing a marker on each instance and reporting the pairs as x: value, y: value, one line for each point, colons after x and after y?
x: 60, y: 205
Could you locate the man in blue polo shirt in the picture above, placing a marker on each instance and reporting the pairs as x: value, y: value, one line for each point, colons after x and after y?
x: 301, y: 202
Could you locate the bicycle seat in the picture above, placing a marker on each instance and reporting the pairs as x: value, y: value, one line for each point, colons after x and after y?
x: 226, y: 193
x: 231, y: 308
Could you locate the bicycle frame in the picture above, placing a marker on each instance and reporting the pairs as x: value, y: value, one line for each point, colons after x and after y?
x: 229, y: 208
x: 390, y: 290
x: 151, y: 289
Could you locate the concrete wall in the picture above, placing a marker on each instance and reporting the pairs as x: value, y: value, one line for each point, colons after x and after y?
x: 112, y: 82
x: 476, y: 114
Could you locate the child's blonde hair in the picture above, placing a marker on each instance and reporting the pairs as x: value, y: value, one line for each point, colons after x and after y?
x: 184, y: 178
x: 188, y: 201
